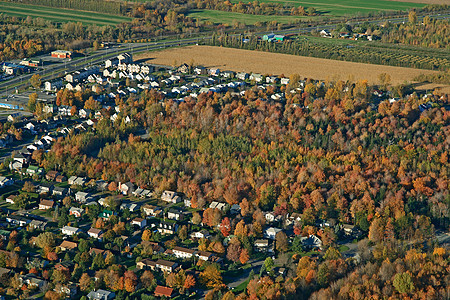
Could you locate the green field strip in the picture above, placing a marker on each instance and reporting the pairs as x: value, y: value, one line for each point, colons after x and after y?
x: 337, y: 7
x: 57, y: 19
x: 64, y: 15
x: 217, y: 16
x: 68, y: 11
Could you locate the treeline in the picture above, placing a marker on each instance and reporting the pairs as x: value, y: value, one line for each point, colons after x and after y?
x: 254, y: 8
x: 357, y: 53
x: 101, y: 6
x: 430, y: 33
x: 443, y: 78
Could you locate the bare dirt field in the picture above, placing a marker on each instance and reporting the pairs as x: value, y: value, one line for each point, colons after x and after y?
x: 274, y: 63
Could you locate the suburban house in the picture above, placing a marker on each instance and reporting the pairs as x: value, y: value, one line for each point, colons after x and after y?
x: 36, y: 224
x: 31, y: 280
x: 162, y: 291
x: 101, y: 295
x: 95, y: 233
x: 311, y: 242
x: 146, y: 264
x: 261, y: 245
x: 174, y: 214
x: 204, y: 255
x: 183, y: 253
x: 151, y: 210
x: 66, y: 245
x: 75, y: 211
x: 51, y: 175
x: 256, y: 77
x: 202, y: 234
x: 82, y: 197
x: 271, y: 232
x: 60, y: 178
x: 59, y: 191
x: 166, y: 227
x: 17, y: 220
x: 166, y: 266
x: 5, y: 181
x: 44, y: 187
x: 33, y: 170
x: 10, y: 199
x: 130, y: 206
x: 187, y: 202
x: 126, y: 188
x: 139, y: 222
x: 106, y: 214
x: 171, y: 197
x: 71, y: 180
x: 69, y: 230
x: 220, y: 206
x: 242, y: 76
x: 46, y: 204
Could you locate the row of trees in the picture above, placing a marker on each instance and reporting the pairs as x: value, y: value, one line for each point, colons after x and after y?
x: 365, y: 53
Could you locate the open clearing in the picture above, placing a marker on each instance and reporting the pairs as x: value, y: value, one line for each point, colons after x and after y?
x: 225, y: 17
x: 60, y: 14
x: 276, y: 63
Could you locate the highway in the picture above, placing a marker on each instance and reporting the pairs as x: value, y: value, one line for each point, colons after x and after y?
x: 51, y: 72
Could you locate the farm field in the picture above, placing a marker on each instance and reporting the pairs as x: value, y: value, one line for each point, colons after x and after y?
x: 224, y: 17
x: 60, y: 14
x: 349, y: 7
x: 275, y: 63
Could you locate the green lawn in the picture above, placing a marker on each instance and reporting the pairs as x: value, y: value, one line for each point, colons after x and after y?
x: 343, y: 248
x: 60, y: 14
x: 224, y: 17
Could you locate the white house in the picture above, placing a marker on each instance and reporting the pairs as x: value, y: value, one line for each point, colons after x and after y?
x: 183, y: 253
x: 170, y: 196
x: 271, y: 232
x: 69, y: 230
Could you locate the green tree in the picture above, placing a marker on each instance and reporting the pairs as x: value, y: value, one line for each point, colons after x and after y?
x: 35, y: 81
x: 32, y: 102
x: 323, y: 274
x: 412, y: 17
x: 268, y: 264
x: 403, y: 283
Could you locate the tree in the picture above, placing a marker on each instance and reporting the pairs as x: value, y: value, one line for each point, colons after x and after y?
x: 225, y: 227
x: 403, y: 283
x: 45, y: 239
x: 146, y: 235
x: 183, y: 232
x: 412, y: 17
x: 35, y: 81
x: 95, y: 45
x: 28, y: 187
x: 189, y: 282
x: 234, y: 250
x: 323, y: 274
x: 268, y: 264
x: 130, y: 281
x: 147, y: 279
x: 211, y: 276
x: 244, y: 257
x: 85, y: 282
x: 32, y: 102
x: 281, y: 240
x: 196, y: 218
